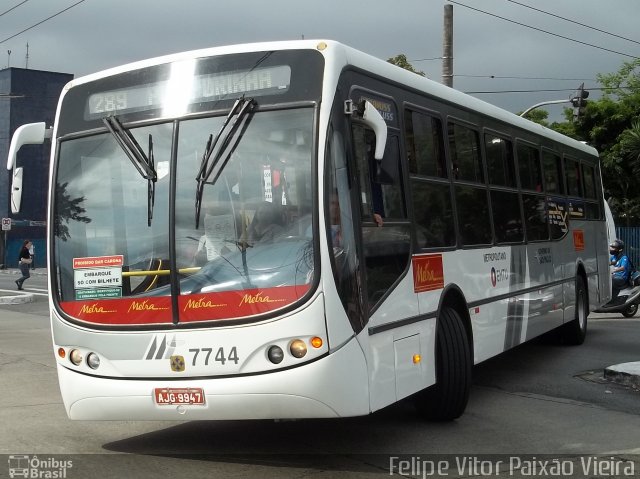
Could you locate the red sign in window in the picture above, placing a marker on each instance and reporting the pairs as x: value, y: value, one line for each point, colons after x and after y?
x: 578, y: 240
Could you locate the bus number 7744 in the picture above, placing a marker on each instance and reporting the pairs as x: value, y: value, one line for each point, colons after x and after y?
x: 220, y: 355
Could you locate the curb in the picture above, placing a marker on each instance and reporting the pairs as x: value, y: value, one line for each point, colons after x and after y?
x: 20, y: 298
x: 627, y: 374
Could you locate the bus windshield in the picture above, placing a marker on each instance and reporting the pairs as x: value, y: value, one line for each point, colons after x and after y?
x: 248, y: 251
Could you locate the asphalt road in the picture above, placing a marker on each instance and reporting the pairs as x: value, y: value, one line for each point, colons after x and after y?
x: 543, y: 398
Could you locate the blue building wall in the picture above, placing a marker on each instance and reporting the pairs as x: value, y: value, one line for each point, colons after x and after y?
x: 631, y: 237
x: 37, y: 95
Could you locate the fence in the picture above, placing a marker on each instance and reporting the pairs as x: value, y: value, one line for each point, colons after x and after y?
x: 631, y: 237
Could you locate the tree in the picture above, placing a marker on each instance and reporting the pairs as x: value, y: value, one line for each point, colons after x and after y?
x: 612, y: 126
x: 402, y: 62
x: 537, y: 116
x: 67, y: 209
x: 630, y: 143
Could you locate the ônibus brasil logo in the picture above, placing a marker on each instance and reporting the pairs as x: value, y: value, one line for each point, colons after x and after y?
x: 35, y: 467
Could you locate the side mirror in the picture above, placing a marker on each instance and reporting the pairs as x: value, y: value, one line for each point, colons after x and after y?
x: 16, y: 190
x: 28, y: 134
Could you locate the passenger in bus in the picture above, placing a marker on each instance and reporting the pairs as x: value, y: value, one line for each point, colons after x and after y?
x: 266, y: 224
x: 375, y: 173
x: 621, y: 268
x: 334, y: 219
x: 377, y: 203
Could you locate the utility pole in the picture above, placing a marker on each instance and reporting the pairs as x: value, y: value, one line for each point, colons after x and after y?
x: 9, y: 60
x: 26, y: 61
x: 447, y: 47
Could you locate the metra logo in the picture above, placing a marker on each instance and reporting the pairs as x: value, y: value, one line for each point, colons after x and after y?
x: 427, y: 273
x: 201, y: 303
x: 94, y: 309
x: 144, y: 306
x: 258, y: 298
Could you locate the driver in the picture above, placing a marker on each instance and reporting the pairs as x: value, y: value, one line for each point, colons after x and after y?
x: 621, y: 267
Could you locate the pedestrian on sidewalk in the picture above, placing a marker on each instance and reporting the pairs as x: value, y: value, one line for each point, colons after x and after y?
x: 24, y: 262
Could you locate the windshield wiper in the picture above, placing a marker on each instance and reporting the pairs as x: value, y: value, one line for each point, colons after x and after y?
x: 144, y: 163
x: 241, y: 110
x: 151, y: 183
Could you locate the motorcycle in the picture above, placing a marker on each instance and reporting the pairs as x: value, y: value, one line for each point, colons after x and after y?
x: 627, y: 301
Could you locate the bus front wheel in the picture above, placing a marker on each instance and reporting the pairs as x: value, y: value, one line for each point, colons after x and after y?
x: 447, y: 399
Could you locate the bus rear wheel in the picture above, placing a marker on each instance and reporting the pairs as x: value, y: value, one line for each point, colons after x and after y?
x: 575, y: 331
x: 447, y: 399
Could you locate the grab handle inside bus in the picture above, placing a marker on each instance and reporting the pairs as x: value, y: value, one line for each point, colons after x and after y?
x: 28, y: 134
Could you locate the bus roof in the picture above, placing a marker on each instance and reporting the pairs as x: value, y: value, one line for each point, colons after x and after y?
x: 342, y: 55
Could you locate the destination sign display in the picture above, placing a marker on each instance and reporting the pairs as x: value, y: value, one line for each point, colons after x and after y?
x: 188, y: 89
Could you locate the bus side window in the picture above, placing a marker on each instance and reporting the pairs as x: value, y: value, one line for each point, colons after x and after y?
x: 430, y: 190
x: 379, y: 180
x: 471, y: 196
x: 572, y: 171
x: 386, y: 248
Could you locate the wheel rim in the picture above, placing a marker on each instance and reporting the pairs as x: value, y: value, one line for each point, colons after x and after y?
x: 582, y: 317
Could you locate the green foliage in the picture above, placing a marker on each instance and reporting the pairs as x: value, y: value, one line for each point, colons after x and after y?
x: 402, y: 62
x: 537, y: 116
x: 67, y: 209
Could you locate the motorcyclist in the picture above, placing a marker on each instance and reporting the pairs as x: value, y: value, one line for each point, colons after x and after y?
x: 621, y: 267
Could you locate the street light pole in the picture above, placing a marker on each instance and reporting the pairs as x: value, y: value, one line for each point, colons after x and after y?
x: 553, y: 102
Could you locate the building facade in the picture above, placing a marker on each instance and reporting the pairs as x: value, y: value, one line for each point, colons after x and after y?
x: 26, y: 96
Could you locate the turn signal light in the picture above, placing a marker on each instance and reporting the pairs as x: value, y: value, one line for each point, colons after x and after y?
x: 62, y: 353
x: 316, y: 342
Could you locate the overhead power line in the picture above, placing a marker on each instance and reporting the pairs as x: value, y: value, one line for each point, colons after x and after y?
x: 42, y: 21
x: 541, y: 30
x: 13, y: 8
x: 426, y: 59
x: 523, y: 78
x: 541, y: 90
x: 573, y: 21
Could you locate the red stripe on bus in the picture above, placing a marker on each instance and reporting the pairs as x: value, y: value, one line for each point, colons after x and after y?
x: 193, y: 307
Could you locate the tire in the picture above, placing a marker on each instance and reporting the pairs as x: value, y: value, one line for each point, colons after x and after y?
x: 631, y: 311
x: 575, y: 331
x: 447, y: 399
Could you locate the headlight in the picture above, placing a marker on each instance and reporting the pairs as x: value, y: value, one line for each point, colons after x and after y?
x: 298, y: 348
x: 93, y: 361
x: 275, y: 354
x: 75, y: 357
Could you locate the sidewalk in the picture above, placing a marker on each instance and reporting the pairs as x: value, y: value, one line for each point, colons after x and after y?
x: 627, y: 374
x: 19, y: 297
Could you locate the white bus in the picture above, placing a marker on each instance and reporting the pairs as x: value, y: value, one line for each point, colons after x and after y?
x: 298, y: 229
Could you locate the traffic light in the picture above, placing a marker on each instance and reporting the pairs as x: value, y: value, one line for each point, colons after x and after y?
x: 579, y: 102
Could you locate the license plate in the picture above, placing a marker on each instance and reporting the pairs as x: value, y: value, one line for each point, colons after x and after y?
x: 169, y: 396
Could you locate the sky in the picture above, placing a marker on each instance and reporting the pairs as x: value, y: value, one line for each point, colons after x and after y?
x: 491, y: 54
